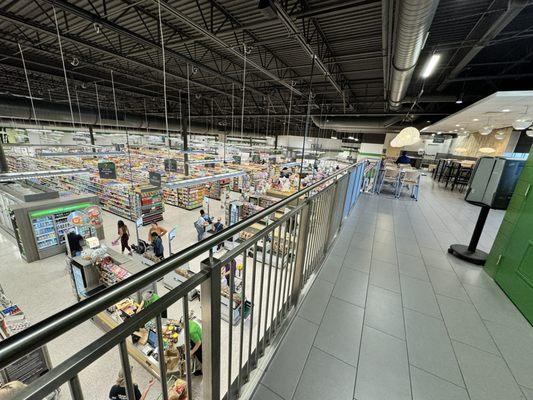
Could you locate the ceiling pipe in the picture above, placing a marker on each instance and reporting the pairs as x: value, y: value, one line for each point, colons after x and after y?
x: 358, y: 125
x: 414, y: 21
x: 47, y: 113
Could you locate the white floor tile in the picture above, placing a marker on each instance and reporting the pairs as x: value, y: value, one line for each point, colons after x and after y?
x: 486, y: 375
x: 321, y: 368
x: 384, y: 311
x: 427, y: 386
x: 351, y: 286
x: 316, y: 301
x: 264, y: 393
x: 516, y: 347
x: 446, y: 283
x: 412, y: 266
x: 383, y: 371
x: 385, y: 275
x: 429, y: 347
x: 340, y: 331
x: 419, y: 296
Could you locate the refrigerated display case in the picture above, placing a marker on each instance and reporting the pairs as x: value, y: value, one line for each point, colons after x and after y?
x: 40, y: 226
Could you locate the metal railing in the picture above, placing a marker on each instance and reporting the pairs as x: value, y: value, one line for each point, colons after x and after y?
x: 277, y: 261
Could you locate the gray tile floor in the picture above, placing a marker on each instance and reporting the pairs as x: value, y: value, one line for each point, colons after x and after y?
x: 393, y: 316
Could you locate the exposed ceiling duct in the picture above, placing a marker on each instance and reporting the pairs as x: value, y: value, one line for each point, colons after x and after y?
x: 358, y: 125
x: 19, y: 108
x: 414, y: 21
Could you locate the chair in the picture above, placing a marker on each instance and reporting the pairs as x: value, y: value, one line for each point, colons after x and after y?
x: 411, y: 179
x: 392, y: 176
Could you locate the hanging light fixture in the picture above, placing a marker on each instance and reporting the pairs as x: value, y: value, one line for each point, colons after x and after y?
x: 523, y: 122
x: 461, y: 149
x: 486, y: 130
x: 499, y: 135
x: 406, y: 137
x: 487, y: 150
x: 529, y: 132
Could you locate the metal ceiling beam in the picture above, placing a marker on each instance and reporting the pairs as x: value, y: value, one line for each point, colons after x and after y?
x: 82, y: 13
x: 289, y: 24
x: 185, y: 19
x: 514, y: 7
x: 17, y: 20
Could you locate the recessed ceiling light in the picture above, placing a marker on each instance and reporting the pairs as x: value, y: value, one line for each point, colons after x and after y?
x: 506, y: 110
x: 475, y: 119
x: 439, y: 133
x: 458, y: 125
x: 455, y: 130
x: 462, y: 129
x: 428, y: 121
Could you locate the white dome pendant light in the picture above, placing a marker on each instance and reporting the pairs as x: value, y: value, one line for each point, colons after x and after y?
x: 523, y: 122
x: 406, y: 137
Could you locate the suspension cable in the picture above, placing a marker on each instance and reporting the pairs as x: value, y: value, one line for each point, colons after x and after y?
x: 164, y: 70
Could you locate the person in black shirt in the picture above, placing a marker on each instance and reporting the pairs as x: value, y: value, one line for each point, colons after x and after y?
x: 118, y: 391
x: 74, y: 243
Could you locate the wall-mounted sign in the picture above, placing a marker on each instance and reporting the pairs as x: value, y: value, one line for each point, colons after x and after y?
x: 154, y: 178
x: 438, y: 139
x: 107, y: 170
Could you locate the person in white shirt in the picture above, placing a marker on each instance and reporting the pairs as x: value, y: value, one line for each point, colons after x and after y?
x: 200, y: 225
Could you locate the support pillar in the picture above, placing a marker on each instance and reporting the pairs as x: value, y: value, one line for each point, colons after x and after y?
x: 185, y: 137
x: 91, y: 138
x: 3, y: 162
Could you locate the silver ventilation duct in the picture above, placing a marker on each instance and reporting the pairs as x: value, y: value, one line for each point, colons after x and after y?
x: 19, y: 108
x: 358, y: 125
x: 414, y: 21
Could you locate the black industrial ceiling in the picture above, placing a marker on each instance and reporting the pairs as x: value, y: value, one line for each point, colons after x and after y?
x: 485, y: 46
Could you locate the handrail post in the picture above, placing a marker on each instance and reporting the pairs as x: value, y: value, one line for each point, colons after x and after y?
x: 300, y: 253
x: 210, y: 299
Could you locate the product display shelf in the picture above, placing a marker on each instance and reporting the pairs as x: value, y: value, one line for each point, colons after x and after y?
x: 215, y: 189
x: 149, y: 204
x: 192, y: 197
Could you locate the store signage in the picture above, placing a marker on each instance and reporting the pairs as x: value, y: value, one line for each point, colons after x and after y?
x: 154, y: 178
x: 171, y: 165
x: 139, y: 222
x: 107, y: 170
x: 28, y: 367
x: 438, y: 139
x: 237, y: 159
x: 73, y: 207
x: 171, y: 234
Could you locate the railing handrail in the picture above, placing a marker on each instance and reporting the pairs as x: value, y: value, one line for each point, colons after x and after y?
x: 50, y: 328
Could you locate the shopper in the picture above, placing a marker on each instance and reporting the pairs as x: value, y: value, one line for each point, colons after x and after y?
x: 195, y: 336
x: 230, y: 268
x: 118, y: 390
x: 178, y: 391
x: 200, y: 225
x: 154, y: 227
x: 284, y: 173
x: 123, y: 236
x: 8, y: 390
x: 218, y: 226
x: 74, y: 243
x: 157, y: 244
x: 403, y: 159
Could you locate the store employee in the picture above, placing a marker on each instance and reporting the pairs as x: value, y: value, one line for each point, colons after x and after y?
x: 74, y: 243
x: 195, y: 336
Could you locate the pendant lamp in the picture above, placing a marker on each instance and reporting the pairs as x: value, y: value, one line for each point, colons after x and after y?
x: 523, y: 122
x: 406, y: 137
x: 529, y: 132
x: 487, y: 150
x: 486, y: 130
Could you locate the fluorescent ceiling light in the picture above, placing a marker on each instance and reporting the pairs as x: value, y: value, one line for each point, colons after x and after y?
x: 19, y: 176
x: 475, y: 119
x: 203, y: 179
x: 430, y: 65
x: 506, y: 110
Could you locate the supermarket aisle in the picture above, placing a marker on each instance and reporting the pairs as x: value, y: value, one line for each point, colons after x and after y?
x: 44, y: 287
x: 393, y: 316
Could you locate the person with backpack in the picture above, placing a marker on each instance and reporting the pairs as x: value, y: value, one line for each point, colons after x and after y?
x: 200, y: 225
x: 157, y: 244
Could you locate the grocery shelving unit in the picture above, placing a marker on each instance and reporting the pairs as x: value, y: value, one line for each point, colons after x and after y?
x: 149, y: 204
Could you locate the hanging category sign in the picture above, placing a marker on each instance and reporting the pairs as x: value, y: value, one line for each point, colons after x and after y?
x: 154, y: 178
x: 171, y: 165
x: 107, y: 170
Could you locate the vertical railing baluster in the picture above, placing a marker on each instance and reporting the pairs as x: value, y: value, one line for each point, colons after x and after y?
x: 266, y: 335
x: 187, y: 346
x: 161, y: 353
x: 230, y: 327
x: 282, y: 271
x: 75, y: 388
x: 243, y: 305
x: 126, y: 370
x: 259, y: 351
x: 303, y: 232
x: 210, y: 302
x: 273, y: 310
x: 252, y: 300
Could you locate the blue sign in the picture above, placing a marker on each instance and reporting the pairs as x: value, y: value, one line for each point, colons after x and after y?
x: 171, y: 234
